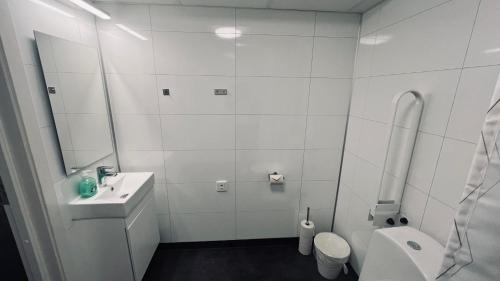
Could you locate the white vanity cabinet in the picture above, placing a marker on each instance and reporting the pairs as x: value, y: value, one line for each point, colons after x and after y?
x: 116, y: 248
x: 143, y: 235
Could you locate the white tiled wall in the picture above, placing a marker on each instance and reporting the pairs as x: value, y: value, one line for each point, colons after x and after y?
x: 288, y: 76
x: 75, y: 25
x: 447, y: 51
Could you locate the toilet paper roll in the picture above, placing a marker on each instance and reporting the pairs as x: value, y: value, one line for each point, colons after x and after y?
x: 306, y: 237
x: 276, y: 179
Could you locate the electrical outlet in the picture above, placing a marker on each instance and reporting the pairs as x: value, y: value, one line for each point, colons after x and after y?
x: 221, y: 186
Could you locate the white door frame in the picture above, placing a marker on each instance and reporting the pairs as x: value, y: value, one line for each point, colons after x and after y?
x: 27, y: 212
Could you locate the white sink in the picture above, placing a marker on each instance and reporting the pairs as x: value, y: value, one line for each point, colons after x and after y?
x: 115, y: 198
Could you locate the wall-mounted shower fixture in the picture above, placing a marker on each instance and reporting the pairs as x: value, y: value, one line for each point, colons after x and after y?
x: 386, y: 209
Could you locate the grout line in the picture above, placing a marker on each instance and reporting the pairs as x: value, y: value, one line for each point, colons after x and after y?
x: 449, y: 117
x: 247, y: 35
x: 230, y: 114
x: 407, y: 73
x: 235, y: 134
x: 156, y: 88
x: 229, y: 76
x: 306, y: 123
x: 403, y: 19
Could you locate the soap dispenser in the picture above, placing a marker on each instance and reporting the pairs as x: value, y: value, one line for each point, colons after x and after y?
x: 87, y: 186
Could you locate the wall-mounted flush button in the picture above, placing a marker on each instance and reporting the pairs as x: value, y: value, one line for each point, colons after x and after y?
x: 220, y: 92
x: 221, y: 186
x: 166, y: 92
x: 51, y: 90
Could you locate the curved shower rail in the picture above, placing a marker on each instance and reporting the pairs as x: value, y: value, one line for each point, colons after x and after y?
x: 392, y: 207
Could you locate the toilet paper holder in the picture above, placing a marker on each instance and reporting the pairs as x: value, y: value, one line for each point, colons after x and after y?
x: 275, y: 178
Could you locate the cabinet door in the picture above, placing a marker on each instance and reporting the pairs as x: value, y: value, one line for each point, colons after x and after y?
x: 143, y: 238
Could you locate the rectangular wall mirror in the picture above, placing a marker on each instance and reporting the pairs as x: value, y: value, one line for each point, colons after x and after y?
x: 76, y: 91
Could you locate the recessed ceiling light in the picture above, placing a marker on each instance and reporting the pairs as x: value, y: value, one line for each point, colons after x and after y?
x: 55, y: 9
x: 91, y: 9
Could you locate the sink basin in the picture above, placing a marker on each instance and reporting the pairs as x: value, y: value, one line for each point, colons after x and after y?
x: 115, y: 198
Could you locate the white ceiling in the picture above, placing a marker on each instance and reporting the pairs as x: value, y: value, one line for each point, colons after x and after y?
x: 307, y: 5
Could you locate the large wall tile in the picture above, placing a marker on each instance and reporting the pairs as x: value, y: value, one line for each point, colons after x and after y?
x: 200, y: 197
x: 140, y: 161
x: 413, y: 205
x: 366, y: 182
x: 138, y: 132
x: 184, y: 132
x: 131, y: 93
x: 370, y: 20
x: 438, y: 220
x: 123, y: 53
x: 203, y: 227
x: 364, y: 55
x: 333, y: 64
x: 484, y: 48
x: 29, y: 15
x: 472, y: 102
x: 354, y: 130
x: 161, y: 198
x: 199, y: 166
x: 337, y: 24
x: 424, y: 161
x: 265, y: 55
x: 329, y: 96
x: 191, y: 19
x: 452, y: 171
x: 437, y: 88
x: 255, y: 165
x: 270, y: 132
x: 165, y: 228
x: 373, y: 142
x: 348, y: 168
x: 263, y: 196
x: 321, y: 164
x: 264, y: 59
x: 266, y: 224
x: 395, y: 10
x: 135, y: 17
x: 360, y: 91
x: 325, y: 132
x: 195, y: 94
x: 444, y: 31
x: 275, y: 22
x: 318, y: 194
x: 193, y: 53
x: 270, y: 95
x: 322, y: 219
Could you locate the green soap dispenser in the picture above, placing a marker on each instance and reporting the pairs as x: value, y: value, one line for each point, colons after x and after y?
x: 87, y: 186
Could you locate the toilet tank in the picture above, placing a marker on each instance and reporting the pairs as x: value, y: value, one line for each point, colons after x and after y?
x: 401, y: 254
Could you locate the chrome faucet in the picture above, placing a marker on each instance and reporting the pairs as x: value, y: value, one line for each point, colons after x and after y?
x: 104, y: 171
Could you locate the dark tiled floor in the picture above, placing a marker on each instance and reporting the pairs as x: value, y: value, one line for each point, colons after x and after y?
x: 269, y: 260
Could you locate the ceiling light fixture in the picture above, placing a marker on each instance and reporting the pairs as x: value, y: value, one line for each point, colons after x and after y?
x: 130, y: 31
x: 50, y: 7
x: 91, y: 9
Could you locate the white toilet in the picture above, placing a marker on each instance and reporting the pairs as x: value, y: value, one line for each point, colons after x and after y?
x: 332, y: 252
x: 401, y: 254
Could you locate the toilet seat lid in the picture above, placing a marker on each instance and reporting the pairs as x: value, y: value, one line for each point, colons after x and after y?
x: 332, y: 245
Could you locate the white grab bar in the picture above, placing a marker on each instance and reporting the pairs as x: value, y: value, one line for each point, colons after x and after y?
x: 406, y: 157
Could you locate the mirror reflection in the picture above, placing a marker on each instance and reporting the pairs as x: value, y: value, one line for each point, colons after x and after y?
x: 75, y: 89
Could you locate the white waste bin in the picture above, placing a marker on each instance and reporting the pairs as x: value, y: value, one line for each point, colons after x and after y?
x: 332, y: 252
